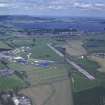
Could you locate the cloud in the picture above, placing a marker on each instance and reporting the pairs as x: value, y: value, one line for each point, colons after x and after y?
x: 89, y: 6
x: 43, y: 6
x: 3, y: 5
x: 81, y: 5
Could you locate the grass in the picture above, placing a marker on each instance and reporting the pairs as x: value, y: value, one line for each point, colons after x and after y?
x: 82, y: 83
x: 4, y: 46
x: 100, y: 61
x: 42, y: 51
x: 22, y: 42
x: 2, y: 66
x: 89, y: 65
x: 10, y: 83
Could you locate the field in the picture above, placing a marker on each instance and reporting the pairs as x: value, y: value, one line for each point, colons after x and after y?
x: 11, y: 83
x: 80, y: 82
x: 4, y: 46
x: 50, y: 93
x: 43, y: 52
x: 100, y: 61
x: 22, y: 42
x: 2, y: 66
x: 95, y: 45
x: 74, y: 48
x: 86, y: 63
x: 40, y: 75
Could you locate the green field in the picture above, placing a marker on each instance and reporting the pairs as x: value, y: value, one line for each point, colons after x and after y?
x: 10, y: 83
x: 82, y: 83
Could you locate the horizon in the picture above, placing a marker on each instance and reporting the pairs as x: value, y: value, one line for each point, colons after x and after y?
x: 54, y: 16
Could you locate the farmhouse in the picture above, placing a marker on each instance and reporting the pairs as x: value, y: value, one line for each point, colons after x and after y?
x: 6, y: 72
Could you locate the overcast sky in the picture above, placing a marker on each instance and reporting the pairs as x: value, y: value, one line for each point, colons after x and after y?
x: 53, y: 7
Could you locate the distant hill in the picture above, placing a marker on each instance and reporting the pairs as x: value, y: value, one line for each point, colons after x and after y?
x: 86, y: 24
x: 23, y: 17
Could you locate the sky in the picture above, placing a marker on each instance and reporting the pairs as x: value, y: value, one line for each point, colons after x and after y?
x: 91, y: 8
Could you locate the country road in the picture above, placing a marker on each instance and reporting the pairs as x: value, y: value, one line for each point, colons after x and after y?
x: 55, y: 50
x: 76, y: 66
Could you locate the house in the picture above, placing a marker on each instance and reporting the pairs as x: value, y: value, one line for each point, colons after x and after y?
x: 6, y: 72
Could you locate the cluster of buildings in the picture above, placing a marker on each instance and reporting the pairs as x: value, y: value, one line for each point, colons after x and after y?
x: 21, y: 49
x: 6, y: 72
x: 10, y: 98
x: 101, y: 55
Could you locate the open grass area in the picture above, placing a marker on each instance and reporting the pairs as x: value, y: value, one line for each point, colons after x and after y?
x: 44, y: 52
